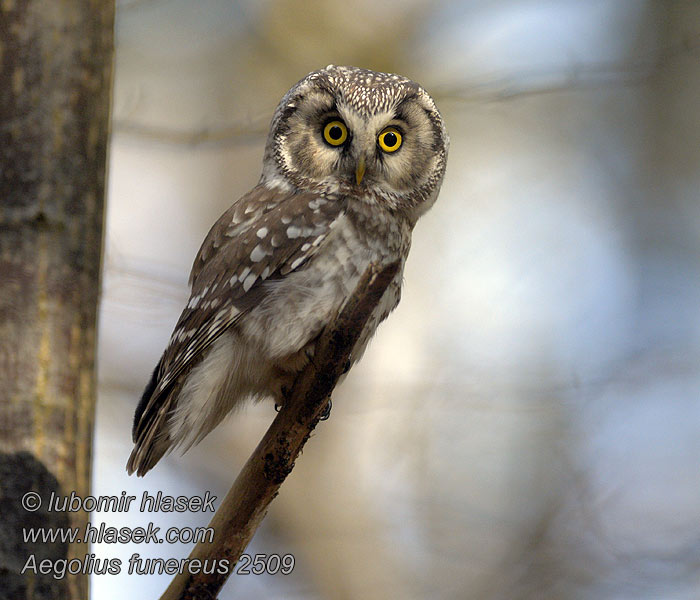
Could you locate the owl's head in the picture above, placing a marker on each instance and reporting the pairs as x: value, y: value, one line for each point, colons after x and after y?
x: 374, y: 136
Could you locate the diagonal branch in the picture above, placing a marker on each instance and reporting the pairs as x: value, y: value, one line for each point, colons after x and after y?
x: 245, y: 505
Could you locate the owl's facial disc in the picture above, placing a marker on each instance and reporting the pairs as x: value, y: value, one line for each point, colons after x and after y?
x: 358, y: 132
x: 325, y: 141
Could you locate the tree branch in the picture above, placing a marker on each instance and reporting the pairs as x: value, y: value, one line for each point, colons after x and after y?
x: 245, y: 506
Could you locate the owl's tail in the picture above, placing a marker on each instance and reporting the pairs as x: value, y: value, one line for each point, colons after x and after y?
x: 149, y: 433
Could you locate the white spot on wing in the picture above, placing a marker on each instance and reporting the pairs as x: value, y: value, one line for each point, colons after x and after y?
x: 262, y: 232
x: 249, y: 281
x: 316, y: 203
x: 257, y: 254
x: 293, y: 232
x: 297, y: 262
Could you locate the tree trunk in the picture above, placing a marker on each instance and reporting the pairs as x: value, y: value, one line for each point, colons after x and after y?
x: 55, y: 87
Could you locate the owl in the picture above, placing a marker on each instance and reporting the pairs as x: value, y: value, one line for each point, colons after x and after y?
x: 352, y: 160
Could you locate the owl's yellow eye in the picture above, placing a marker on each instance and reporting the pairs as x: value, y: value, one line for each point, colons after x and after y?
x: 390, y: 139
x: 335, y: 133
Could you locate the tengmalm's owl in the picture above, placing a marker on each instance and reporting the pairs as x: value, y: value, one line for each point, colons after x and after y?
x: 353, y: 159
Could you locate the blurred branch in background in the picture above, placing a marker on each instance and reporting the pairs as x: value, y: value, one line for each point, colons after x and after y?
x: 232, y: 134
x: 579, y: 76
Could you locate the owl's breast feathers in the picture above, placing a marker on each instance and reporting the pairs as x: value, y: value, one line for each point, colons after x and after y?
x: 270, y: 274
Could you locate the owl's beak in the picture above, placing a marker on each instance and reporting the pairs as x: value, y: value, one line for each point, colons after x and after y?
x: 360, y: 170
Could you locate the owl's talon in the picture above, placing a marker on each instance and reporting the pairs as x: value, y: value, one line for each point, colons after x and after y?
x: 285, y: 391
x: 310, y: 356
x: 278, y: 407
x: 346, y: 367
x: 326, y: 411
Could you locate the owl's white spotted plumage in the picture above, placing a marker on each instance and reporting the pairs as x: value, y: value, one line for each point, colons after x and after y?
x: 352, y: 160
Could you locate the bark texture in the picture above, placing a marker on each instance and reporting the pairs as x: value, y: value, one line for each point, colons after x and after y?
x: 55, y: 87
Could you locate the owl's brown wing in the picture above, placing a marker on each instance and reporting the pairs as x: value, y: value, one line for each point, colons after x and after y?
x: 265, y: 234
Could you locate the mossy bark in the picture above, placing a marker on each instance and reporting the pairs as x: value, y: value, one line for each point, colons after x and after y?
x: 55, y: 87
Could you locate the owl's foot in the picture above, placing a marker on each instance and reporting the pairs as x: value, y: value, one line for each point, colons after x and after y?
x: 309, y: 353
x: 326, y: 411
x: 283, y: 397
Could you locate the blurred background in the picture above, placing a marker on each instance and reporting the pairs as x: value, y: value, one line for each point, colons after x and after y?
x: 526, y: 425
